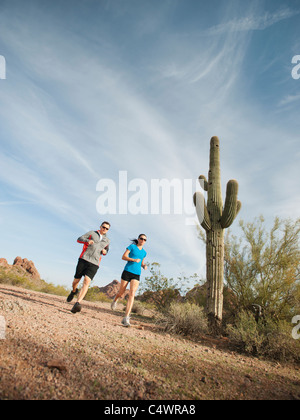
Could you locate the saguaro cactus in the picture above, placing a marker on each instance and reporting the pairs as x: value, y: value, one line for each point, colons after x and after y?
x: 214, y: 219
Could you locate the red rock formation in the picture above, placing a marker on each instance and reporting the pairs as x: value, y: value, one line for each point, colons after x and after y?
x: 28, y: 266
x: 23, y: 265
x: 4, y: 263
x: 112, y: 289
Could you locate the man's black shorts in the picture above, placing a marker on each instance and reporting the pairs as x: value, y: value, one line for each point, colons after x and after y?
x: 127, y: 276
x: 85, y: 268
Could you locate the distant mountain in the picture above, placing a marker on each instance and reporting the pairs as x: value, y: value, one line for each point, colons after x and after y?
x: 112, y: 289
x: 21, y: 267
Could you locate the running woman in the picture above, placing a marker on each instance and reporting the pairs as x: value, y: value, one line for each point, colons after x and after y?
x: 135, y: 256
x: 95, y: 244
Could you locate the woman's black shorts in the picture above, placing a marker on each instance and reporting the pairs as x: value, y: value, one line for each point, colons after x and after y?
x: 127, y: 276
x: 85, y: 268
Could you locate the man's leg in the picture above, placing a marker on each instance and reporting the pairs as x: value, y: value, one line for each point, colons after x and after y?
x: 77, y: 277
x: 85, y: 287
x: 74, y: 290
x: 75, y: 284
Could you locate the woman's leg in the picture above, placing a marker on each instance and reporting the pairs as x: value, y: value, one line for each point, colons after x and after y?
x: 122, y: 289
x: 134, y: 285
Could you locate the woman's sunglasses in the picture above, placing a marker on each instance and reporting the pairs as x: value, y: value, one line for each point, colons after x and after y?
x: 143, y: 239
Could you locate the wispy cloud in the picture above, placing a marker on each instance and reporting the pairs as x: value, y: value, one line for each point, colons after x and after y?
x: 289, y: 99
x: 252, y: 22
x: 14, y: 203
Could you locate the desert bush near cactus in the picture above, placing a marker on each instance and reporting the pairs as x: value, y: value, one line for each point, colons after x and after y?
x: 214, y: 218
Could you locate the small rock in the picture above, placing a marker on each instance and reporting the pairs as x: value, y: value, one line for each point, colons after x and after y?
x: 57, y: 364
x: 247, y: 383
x: 139, y: 395
x: 150, y: 387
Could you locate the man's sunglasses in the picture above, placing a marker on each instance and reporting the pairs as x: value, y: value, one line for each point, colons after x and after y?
x: 104, y: 227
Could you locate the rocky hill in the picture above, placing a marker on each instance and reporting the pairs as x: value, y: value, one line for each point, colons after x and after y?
x: 112, y: 289
x: 21, y: 266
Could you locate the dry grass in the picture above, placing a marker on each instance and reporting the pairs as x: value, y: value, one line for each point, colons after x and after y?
x: 185, y: 319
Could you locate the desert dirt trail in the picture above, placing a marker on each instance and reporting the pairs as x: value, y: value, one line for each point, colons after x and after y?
x: 49, y: 353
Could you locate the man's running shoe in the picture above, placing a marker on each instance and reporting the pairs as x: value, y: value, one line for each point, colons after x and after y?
x: 76, y: 308
x: 126, y: 321
x: 71, y: 296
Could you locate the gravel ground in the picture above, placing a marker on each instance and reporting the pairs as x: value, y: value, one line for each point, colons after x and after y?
x: 49, y: 353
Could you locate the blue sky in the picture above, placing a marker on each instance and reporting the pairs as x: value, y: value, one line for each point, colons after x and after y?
x: 97, y: 87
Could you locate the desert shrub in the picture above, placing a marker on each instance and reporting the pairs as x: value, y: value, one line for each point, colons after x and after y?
x: 138, y: 308
x: 51, y: 289
x: 280, y: 345
x: 161, y: 299
x: 245, y: 333
x: 265, y: 338
x: 94, y: 295
x: 161, y: 291
x: 185, y: 319
x: 262, y: 266
x: 15, y: 278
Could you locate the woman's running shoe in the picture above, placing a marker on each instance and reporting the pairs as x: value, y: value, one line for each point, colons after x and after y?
x: 113, y: 305
x: 126, y: 321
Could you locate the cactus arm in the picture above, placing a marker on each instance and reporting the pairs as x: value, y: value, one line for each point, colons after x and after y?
x: 201, y: 210
x: 238, y: 207
x: 203, y: 182
x: 231, y: 204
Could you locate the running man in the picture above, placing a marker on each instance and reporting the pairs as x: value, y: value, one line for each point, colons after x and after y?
x: 135, y: 256
x: 95, y: 244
